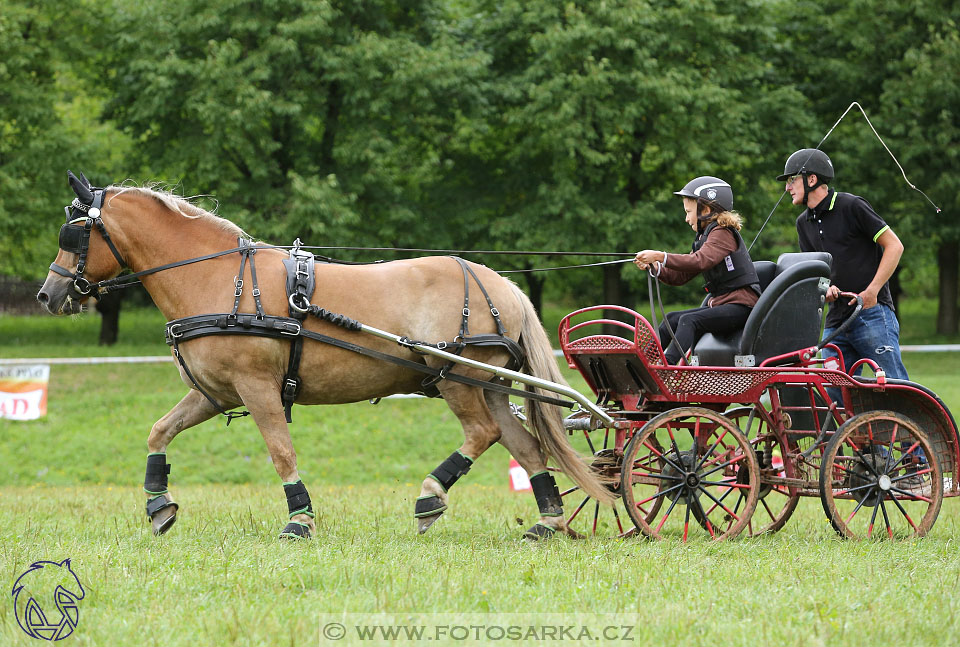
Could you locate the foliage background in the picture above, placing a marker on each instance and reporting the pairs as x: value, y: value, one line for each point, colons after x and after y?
x: 482, y: 124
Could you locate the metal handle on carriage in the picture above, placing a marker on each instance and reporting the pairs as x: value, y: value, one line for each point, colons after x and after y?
x: 498, y: 371
x: 847, y: 322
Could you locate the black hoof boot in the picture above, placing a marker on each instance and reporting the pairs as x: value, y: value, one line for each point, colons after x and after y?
x: 162, y: 513
x: 295, y: 530
x: 539, y: 532
x: 427, y: 511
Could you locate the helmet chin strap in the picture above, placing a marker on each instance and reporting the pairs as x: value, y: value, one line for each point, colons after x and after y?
x: 806, y: 189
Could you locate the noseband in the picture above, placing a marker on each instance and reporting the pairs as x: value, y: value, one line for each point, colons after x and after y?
x: 75, y: 239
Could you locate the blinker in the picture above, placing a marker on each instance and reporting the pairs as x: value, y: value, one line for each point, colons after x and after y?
x: 71, y: 238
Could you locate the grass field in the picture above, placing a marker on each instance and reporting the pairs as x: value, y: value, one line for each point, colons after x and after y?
x: 70, y: 486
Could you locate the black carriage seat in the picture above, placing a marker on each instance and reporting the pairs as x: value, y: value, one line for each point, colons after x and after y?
x: 787, y: 316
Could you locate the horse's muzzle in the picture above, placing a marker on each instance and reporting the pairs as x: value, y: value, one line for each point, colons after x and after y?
x: 59, y: 297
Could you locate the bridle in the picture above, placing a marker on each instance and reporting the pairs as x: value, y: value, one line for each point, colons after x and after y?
x: 75, y: 239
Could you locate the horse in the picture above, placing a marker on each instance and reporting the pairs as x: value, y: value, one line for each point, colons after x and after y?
x: 186, y: 258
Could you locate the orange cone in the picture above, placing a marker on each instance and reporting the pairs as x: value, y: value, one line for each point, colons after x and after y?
x: 519, y: 481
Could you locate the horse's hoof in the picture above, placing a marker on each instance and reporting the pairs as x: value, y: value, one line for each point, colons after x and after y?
x: 424, y: 523
x: 162, y: 512
x: 539, y: 532
x: 295, y: 530
x: 428, y: 509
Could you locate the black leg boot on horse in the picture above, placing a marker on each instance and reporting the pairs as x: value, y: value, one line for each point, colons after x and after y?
x: 161, y: 508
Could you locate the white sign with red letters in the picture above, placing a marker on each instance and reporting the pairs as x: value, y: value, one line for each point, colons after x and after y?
x: 23, y: 391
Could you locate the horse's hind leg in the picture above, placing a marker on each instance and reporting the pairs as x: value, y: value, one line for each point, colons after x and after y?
x: 191, y: 410
x: 480, y: 431
x: 263, y: 401
x: 524, y: 447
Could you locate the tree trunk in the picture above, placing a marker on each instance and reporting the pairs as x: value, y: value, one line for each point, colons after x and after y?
x: 535, y: 291
x: 948, y: 262
x: 612, y: 295
x: 108, y: 305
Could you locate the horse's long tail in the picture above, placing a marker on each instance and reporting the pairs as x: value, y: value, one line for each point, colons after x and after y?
x: 546, y: 420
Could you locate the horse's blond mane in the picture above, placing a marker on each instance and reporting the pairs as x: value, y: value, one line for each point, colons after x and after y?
x: 180, y: 205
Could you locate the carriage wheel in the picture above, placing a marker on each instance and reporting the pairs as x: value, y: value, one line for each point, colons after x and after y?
x: 880, y: 473
x: 776, y: 504
x: 688, y: 463
x: 585, y: 515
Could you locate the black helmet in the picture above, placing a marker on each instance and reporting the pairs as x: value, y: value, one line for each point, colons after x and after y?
x: 709, y: 190
x: 806, y: 161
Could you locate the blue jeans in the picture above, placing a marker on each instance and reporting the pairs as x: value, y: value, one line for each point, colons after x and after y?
x: 874, y: 335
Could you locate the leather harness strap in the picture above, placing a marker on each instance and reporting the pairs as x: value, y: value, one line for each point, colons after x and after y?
x: 300, y: 285
x: 188, y: 328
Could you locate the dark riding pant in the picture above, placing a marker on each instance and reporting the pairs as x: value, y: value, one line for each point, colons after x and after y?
x: 690, y: 325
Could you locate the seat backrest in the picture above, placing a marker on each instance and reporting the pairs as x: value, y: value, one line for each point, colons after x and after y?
x: 766, y: 270
x: 788, y: 314
x: 789, y: 259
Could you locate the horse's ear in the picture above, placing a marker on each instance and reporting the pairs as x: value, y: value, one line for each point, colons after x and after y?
x: 82, y: 190
x: 83, y: 178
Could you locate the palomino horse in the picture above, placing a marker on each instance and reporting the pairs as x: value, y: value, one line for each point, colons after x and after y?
x: 421, y: 298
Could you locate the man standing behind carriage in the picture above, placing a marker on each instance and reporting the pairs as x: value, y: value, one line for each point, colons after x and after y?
x: 865, y: 254
x: 720, y: 255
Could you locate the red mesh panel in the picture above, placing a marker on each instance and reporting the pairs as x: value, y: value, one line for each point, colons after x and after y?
x: 600, y: 342
x: 649, y: 345
x: 705, y: 381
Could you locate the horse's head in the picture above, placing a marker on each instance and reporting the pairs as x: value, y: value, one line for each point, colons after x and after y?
x: 84, y: 245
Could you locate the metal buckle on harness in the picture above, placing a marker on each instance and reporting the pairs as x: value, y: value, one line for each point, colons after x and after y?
x: 289, y: 328
x: 290, y: 389
x: 171, y: 330
x: 293, y: 303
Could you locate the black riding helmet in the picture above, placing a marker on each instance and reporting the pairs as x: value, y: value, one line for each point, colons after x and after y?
x: 805, y: 162
x: 709, y: 190
x: 808, y: 161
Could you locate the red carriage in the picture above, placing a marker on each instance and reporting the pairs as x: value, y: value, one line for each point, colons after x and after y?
x: 730, y: 448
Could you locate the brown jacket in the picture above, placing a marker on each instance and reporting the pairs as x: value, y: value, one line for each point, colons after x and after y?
x: 681, y: 268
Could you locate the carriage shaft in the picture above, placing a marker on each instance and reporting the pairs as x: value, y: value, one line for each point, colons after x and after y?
x: 498, y: 371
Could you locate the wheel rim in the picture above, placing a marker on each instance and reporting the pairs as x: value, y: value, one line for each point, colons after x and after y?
x: 690, y: 464
x: 775, y: 504
x: 881, y: 478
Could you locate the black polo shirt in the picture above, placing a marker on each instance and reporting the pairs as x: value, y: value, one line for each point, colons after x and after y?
x: 846, y: 226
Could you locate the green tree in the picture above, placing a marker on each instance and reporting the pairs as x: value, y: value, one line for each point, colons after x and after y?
x: 324, y: 120
x: 893, y: 58
x: 604, y: 108
x: 49, y: 122
x: 922, y: 103
x: 29, y: 137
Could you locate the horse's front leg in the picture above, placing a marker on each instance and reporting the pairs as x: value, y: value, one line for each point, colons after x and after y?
x: 263, y: 401
x: 480, y: 431
x: 191, y: 410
